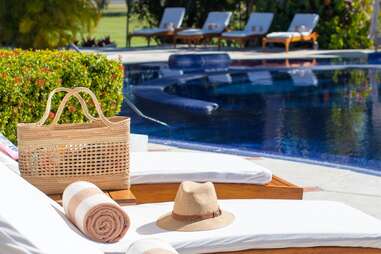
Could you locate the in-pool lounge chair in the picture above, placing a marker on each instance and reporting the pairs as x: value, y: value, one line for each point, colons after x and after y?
x: 213, y: 27
x: 257, y: 26
x: 169, y: 24
x: 30, y: 222
x: 301, y: 29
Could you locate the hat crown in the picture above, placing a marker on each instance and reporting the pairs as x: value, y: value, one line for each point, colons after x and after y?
x: 195, y: 199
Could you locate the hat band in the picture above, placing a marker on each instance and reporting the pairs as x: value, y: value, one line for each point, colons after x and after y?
x: 196, y: 217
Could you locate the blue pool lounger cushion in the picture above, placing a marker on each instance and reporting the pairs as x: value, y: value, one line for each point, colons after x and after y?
x: 175, y: 167
x: 258, y: 224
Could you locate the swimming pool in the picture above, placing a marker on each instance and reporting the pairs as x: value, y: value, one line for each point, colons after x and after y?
x: 322, y: 111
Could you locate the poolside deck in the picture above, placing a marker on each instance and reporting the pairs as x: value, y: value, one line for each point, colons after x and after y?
x: 157, y: 54
x: 358, y: 190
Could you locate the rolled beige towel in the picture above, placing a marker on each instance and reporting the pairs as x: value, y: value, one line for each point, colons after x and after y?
x: 151, y: 246
x: 98, y: 216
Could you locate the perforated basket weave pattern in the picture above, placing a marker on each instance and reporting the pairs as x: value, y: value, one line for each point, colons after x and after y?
x: 53, y: 156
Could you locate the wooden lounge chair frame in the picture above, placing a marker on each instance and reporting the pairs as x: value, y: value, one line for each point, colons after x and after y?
x: 276, y: 189
x: 241, y: 40
x: 288, y: 41
x: 166, y: 192
x: 195, y: 39
x: 148, y: 37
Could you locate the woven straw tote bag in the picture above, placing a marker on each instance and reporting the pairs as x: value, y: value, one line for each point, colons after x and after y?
x: 55, y: 155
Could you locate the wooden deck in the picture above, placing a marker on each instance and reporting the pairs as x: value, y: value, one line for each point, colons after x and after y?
x: 122, y: 197
x: 277, y: 189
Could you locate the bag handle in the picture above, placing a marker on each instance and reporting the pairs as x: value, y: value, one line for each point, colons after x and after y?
x: 73, y: 92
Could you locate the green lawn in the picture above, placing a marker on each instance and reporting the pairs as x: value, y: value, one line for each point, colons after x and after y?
x: 115, y: 27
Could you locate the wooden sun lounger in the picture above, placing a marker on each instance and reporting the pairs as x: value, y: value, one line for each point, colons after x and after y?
x: 195, y: 39
x: 276, y: 189
x: 288, y: 41
x: 148, y: 37
x: 241, y: 40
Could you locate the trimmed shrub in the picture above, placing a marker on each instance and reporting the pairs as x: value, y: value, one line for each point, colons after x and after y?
x: 27, y: 78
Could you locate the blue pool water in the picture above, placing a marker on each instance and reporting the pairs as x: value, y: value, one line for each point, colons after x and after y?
x: 326, y: 111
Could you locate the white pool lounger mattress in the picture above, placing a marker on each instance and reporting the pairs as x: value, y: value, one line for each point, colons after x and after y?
x: 258, y: 224
x: 174, y: 167
x: 261, y: 224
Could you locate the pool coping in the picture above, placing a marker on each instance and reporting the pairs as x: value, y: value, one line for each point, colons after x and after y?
x: 236, y: 151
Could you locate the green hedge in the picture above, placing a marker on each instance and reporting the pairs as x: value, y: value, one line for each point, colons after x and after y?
x: 27, y: 77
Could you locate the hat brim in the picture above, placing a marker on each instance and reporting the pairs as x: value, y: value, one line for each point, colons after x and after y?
x: 167, y: 222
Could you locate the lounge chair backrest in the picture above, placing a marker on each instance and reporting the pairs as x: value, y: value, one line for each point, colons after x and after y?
x: 172, y: 15
x: 261, y: 21
x: 217, y: 21
x: 308, y: 20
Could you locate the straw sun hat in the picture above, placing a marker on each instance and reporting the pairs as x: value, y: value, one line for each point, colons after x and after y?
x: 195, y: 209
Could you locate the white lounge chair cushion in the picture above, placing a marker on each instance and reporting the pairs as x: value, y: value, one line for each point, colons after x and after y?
x: 36, y: 218
x: 138, y: 143
x: 9, y: 163
x: 242, y: 34
x: 147, y: 31
x: 175, y: 167
x: 219, y: 20
x: 261, y: 224
x: 173, y: 16
x: 192, y: 32
x: 261, y: 21
x: 308, y: 20
x: 287, y: 34
x: 258, y: 224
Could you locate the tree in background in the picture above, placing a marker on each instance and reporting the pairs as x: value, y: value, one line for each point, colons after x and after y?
x: 45, y: 23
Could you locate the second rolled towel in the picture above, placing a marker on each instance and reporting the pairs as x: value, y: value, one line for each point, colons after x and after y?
x: 98, y: 216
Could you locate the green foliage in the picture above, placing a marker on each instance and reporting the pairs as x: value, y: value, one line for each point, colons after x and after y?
x: 343, y: 24
x: 45, y: 23
x: 27, y: 78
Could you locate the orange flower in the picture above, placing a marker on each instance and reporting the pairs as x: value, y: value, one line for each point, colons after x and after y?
x: 40, y: 82
x: 17, y: 80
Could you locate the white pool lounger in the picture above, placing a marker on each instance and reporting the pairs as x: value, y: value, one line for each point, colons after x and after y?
x: 259, y: 224
x: 234, y: 177
x: 262, y: 224
x: 175, y: 167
